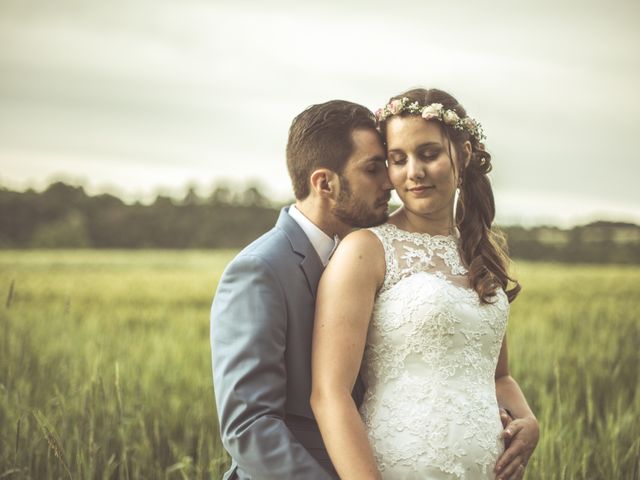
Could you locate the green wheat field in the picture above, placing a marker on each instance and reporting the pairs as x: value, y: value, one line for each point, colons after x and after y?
x: 105, y: 366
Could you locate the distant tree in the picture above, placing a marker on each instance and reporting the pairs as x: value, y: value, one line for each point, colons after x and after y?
x: 59, y: 199
x: 252, y: 197
x: 221, y: 195
x: 67, y: 232
x: 191, y: 197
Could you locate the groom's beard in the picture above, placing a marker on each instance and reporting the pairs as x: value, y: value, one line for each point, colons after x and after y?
x: 355, y: 212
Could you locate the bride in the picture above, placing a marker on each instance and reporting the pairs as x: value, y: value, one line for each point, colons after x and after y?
x: 419, y: 305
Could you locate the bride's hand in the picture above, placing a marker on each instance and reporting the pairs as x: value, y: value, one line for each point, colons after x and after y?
x: 521, y: 437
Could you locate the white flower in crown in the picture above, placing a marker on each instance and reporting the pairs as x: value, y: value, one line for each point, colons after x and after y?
x: 413, y: 107
x: 450, y: 117
x: 432, y: 111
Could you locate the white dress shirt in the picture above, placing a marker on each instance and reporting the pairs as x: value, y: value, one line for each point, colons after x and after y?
x: 322, y: 243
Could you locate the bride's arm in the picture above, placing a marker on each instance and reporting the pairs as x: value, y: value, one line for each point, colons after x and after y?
x: 524, y: 430
x: 343, y: 309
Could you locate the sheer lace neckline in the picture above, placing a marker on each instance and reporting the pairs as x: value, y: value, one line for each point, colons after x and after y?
x: 453, y: 237
x: 408, y: 253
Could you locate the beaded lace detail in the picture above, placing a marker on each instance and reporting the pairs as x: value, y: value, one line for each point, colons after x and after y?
x: 430, y: 408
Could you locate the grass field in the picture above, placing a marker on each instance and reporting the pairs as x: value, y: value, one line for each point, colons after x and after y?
x: 105, y: 366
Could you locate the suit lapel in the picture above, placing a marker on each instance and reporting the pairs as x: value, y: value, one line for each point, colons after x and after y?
x: 310, y: 262
x: 312, y: 268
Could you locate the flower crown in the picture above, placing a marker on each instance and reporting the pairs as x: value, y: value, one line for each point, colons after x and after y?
x: 433, y: 111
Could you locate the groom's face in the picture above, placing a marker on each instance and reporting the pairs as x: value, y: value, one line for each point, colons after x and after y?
x: 363, y: 200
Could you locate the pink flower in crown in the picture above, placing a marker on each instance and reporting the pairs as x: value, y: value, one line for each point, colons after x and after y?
x: 379, y: 114
x: 450, y: 117
x: 431, y: 111
x: 395, y: 107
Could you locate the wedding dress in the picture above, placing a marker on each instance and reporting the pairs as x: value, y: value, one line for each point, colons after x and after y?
x: 430, y: 408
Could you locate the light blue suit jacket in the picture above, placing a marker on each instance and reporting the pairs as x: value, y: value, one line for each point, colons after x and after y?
x: 261, y: 329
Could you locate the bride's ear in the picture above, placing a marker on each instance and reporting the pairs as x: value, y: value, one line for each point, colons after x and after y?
x: 324, y: 183
x: 466, y: 153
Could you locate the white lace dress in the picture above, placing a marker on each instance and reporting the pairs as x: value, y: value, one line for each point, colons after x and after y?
x: 430, y: 408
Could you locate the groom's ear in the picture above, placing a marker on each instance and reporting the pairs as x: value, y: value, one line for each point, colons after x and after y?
x: 324, y: 182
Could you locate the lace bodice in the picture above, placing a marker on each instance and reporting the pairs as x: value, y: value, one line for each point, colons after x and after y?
x: 429, y: 363
x: 407, y: 253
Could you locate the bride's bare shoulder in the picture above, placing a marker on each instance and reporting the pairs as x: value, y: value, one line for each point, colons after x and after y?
x: 362, y: 241
x: 360, y: 251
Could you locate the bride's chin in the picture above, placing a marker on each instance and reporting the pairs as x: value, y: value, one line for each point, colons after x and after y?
x: 421, y: 208
x: 429, y: 211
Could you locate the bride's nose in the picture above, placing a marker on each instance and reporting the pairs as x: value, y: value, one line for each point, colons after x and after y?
x: 415, y: 168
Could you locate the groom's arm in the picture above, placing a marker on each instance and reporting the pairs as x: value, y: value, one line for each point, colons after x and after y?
x: 248, y: 341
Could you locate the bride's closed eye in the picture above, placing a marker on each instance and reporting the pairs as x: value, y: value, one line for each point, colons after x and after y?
x: 429, y: 154
x: 397, y: 159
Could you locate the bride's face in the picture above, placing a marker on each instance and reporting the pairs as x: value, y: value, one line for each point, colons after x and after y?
x: 420, y: 168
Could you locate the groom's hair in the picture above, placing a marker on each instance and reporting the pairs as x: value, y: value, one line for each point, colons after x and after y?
x: 320, y: 137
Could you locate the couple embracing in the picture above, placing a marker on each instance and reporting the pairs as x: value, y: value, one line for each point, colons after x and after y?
x: 350, y: 343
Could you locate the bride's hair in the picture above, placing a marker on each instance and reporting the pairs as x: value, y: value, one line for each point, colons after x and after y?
x: 483, y: 247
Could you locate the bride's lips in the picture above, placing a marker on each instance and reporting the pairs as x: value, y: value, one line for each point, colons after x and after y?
x: 420, y: 190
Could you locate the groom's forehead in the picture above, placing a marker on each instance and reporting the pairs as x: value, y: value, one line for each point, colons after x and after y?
x: 365, y: 160
x: 366, y: 138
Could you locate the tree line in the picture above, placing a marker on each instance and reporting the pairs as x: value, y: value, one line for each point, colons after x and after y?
x: 65, y: 216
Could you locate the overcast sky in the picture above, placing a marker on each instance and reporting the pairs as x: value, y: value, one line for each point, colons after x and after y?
x: 140, y: 96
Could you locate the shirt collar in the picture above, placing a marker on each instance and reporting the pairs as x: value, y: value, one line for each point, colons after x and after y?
x: 322, y: 243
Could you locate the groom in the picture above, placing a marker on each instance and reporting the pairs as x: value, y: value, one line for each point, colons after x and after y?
x: 263, y: 310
